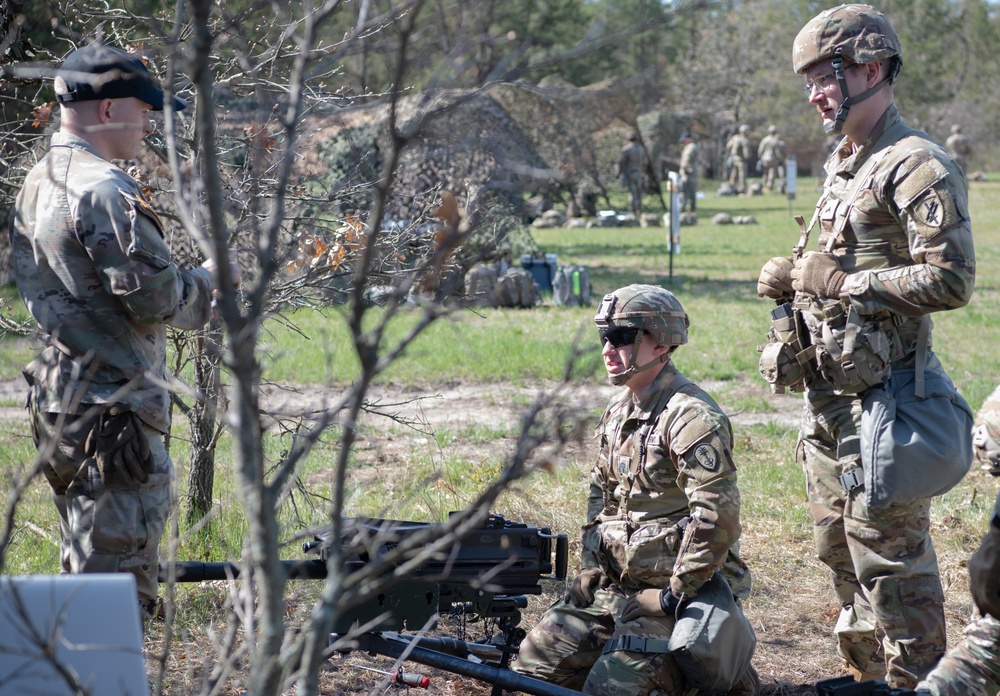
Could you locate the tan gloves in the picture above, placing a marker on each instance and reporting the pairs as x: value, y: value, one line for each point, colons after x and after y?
x: 650, y: 603
x: 581, y: 591
x: 120, y: 448
x: 776, y: 278
x: 818, y: 273
x: 984, y: 573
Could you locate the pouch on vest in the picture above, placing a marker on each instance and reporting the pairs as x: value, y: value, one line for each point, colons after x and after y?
x: 786, y: 358
x: 914, y: 448
x: 854, y: 352
x: 712, y: 641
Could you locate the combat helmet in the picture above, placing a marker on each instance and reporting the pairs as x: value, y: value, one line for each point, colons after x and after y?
x: 849, y: 35
x: 649, y: 309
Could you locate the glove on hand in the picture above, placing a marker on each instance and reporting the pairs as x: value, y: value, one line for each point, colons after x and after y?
x: 818, y: 274
x: 650, y: 603
x: 775, y: 279
x: 120, y: 448
x: 581, y: 591
x: 984, y: 574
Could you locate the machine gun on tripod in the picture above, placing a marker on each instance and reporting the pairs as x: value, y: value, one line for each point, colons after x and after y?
x: 485, y: 575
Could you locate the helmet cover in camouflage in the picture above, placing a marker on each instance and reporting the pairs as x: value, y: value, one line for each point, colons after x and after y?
x: 858, y: 33
x: 986, y: 434
x: 772, y: 129
x: 744, y: 129
x: 648, y: 308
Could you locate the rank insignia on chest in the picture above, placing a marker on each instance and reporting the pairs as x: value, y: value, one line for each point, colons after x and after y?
x: 707, y: 457
x: 624, y: 466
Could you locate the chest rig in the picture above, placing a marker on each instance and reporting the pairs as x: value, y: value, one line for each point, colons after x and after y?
x: 828, y: 337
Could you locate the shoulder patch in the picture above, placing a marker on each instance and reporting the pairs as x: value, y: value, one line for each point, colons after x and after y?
x: 706, y: 456
x: 929, y: 210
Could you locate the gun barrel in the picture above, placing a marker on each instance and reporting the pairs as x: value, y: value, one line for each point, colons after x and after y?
x: 196, y: 571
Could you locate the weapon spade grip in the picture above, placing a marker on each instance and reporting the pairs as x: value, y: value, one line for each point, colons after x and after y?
x: 562, y: 556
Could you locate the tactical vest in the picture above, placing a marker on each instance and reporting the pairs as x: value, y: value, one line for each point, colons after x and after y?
x: 827, y: 337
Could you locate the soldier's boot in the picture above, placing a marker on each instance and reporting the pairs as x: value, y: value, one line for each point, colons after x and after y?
x: 748, y: 685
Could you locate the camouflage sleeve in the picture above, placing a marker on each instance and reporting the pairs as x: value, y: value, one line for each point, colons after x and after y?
x: 928, y: 199
x: 602, y: 494
x: 701, y: 440
x: 124, y: 239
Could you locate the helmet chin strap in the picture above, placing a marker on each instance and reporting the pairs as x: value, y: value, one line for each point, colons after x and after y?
x: 631, y: 370
x: 837, y: 126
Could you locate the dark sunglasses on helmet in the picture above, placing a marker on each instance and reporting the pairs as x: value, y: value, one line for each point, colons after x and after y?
x: 618, y: 336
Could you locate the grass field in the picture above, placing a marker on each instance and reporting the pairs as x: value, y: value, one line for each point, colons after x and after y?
x: 494, y: 360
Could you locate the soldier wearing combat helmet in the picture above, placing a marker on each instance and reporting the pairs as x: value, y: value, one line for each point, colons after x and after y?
x: 895, y: 245
x: 662, y: 515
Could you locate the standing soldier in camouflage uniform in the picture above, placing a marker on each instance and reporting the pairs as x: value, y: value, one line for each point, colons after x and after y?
x: 973, y: 667
x: 689, y: 173
x: 662, y: 514
x: 94, y: 270
x: 959, y: 146
x: 739, y: 151
x: 771, y: 154
x: 632, y: 171
x: 897, y: 245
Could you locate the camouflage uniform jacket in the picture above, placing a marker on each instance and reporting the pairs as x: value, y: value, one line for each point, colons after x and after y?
x: 770, y: 150
x: 906, y: 242
x: 94, y: 270
x: 664, y: 507
x: 739, y: 148
x: 632, y: 161
x: 689, y: 159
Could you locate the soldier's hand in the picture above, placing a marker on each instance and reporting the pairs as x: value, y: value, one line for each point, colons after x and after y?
x: 818, y: 274
x: 650, y: 603
x: 775, y: 279
x: 120, y: 448
x: 581, y: 590
x: 984, y: 574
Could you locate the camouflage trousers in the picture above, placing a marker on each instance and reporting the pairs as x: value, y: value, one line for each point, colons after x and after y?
x: 738, y: 174
x: 883, y: 563
x: 567, y: 648
x: 103, y: 531
x: 634, y: 182
x: 972, y: 668
x: 689, y: 192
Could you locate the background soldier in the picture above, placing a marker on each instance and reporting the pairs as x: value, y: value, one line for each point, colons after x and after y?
x: 689, y: 173
x: 771, y: 155
x: 664, y: 473
x: 93, y: 268
x: 973, y: 667
x: 959, y: 146
x: 882, y: 560
x: 632, y: 171
x: 739, y: 150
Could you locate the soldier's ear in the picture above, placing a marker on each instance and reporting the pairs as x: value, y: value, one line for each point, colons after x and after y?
x: 106, y: 110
